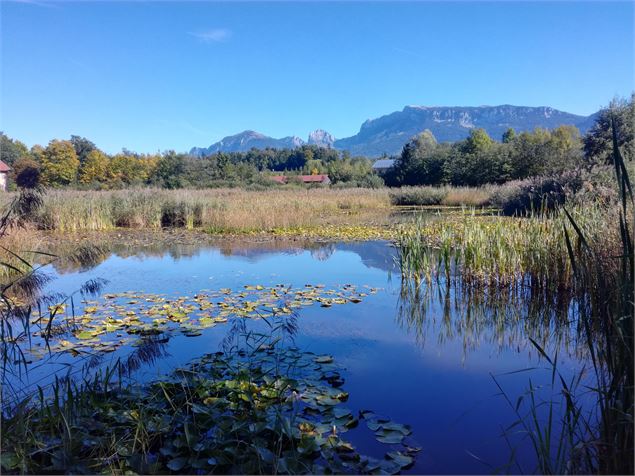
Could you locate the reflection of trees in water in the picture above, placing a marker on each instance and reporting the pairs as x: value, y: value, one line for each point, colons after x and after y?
x: 503, y: 319
x: 252, y: 250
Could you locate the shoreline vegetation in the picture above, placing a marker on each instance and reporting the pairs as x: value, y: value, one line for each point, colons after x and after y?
x: 440, y: 216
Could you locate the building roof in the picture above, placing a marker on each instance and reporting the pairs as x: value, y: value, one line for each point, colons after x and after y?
x: 383, y: 164
x: 4, y: 167
x: 314, y: 178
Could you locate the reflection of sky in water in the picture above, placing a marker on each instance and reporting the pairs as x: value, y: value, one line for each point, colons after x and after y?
x: 440, y: 387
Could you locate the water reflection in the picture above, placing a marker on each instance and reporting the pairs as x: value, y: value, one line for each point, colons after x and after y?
x: 374, y: 254
x: 449, y: 311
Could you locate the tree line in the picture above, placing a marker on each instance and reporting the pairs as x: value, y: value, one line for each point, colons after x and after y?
x: 79, y: 163
x: 474, y: 161
x: 480, y: 160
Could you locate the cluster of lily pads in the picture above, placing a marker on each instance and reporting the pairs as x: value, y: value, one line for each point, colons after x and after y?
x: 266, y: 410
x: 117, y: 319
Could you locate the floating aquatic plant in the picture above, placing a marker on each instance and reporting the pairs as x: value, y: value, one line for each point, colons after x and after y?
x: 264, y: 408
x: 115, y: 319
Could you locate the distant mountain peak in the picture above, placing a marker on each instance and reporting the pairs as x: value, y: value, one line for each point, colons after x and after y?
x: 388, y: 133
x: 245, y: 141
x: 321, y: 138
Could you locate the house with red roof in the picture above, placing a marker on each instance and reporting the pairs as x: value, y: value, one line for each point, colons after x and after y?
x: 4, y: 175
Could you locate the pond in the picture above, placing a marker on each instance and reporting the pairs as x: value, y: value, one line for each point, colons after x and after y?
x: 426, y: 358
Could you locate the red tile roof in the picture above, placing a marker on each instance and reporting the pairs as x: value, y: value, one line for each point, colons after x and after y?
x: 313, y: 178
x: 4, y: 167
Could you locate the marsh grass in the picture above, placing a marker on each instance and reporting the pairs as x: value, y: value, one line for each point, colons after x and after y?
x: 498, y: 251
x: 216, y: 209
x: 235, y: 210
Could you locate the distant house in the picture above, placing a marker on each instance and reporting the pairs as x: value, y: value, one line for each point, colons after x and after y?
x: 322, y: 179
x: 4, y: 174
x: 382, y: 165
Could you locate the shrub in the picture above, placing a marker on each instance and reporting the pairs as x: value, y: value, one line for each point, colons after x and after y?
x: 544, y: 193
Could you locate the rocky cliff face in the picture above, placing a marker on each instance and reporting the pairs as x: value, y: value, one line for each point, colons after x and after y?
x: 448, y: 124
x: 321, y: 138
x: 388, y: 134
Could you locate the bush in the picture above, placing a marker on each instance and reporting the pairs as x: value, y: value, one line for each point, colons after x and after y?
x: 544, y: 193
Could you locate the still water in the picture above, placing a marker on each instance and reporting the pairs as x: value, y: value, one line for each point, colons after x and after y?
x: 427, y: 362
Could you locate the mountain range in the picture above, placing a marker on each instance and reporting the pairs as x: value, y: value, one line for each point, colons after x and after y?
x: 388, y: 134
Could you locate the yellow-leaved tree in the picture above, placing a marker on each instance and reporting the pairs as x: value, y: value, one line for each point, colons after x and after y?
x: 59, y: 163
x: 96, y: 167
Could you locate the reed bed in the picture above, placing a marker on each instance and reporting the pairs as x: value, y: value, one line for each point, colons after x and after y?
x: 214, y: 209
x: 234, y: 210
x: 500, y: 251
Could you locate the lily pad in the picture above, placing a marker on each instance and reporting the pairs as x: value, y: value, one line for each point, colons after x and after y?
x: 389, y: 437
x: 400, y: 458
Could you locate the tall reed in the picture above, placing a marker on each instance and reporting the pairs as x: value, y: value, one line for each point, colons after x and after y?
x: 216, y: 209
x: 498, y: 251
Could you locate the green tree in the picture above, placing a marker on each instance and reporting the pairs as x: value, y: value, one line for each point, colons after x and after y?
x: 37, y: 153
x: 82, y: 147
x: 95, y: 168
x: 418, y: 164
x: 128, y: 168
x: 530, y: 153
x: 565, y: 148
x: 169, y: 172
x: 485, y: 164
x: 11, y: 150
x: 598, y: 142
x: 59, y: 163
x: 478, y: 141
x: 509, y: 135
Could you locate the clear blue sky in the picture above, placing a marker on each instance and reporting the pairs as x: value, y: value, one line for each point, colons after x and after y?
x: 156, y: 76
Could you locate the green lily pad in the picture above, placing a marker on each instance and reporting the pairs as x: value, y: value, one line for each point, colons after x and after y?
x: 85, y: 335
x: 389, y: 437
x: 400, y: 458
x: 392, y: 426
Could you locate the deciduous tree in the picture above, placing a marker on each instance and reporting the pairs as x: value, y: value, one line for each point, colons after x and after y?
x: 59, y: 163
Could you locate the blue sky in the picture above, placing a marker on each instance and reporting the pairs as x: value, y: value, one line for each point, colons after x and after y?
x: 156, y: 76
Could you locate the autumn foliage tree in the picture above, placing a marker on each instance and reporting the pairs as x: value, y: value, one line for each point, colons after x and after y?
x: 59, y: 163
x: 95, y: 167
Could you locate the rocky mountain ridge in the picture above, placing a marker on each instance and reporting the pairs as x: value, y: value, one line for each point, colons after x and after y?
x: 388, y: 134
